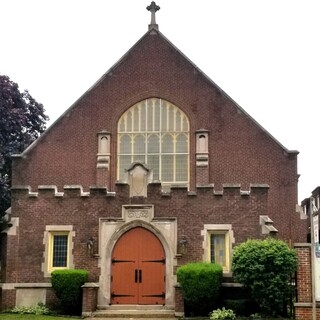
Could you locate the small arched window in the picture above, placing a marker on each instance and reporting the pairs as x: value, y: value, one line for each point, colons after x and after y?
x: 155, y: 132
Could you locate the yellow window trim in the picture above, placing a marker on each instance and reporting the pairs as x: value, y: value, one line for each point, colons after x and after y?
x: 225, y: 229
x: 52, y: 234
x: 226, y: 267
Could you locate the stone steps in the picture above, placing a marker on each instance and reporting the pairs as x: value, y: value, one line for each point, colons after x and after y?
x: 133, y: 312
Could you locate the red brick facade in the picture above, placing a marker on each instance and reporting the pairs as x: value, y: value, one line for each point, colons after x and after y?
x: 249, y: 173
x: 303, y: 306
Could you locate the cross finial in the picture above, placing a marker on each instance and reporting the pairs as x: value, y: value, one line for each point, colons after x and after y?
x: 153, y: 8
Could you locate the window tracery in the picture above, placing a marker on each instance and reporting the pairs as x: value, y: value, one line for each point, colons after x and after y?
x: 155, y: 132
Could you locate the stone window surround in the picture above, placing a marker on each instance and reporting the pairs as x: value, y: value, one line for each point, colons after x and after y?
x: 218, y: 228
x: 48, y: 233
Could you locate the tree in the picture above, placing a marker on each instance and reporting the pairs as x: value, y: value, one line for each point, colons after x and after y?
x: 265, y: 267
x: 22, y: 120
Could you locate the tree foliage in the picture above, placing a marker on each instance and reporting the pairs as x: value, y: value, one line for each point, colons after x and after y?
x: 265, y: 267
x: 22, y: 120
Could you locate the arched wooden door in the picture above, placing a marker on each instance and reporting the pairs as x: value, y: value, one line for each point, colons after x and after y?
x: 138, y: 269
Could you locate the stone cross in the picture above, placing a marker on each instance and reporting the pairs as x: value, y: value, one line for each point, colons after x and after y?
x: 153, y: 8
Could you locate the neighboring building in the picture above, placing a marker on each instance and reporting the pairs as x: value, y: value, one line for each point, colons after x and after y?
x: 307, y: 304
x: 305, y: 208
x: 153, y: 167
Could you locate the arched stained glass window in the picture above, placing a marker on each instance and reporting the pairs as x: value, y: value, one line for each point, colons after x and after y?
x: 156, y: 132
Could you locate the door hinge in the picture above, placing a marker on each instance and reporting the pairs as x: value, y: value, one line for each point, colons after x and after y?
x: 163, y: 261
x: 113, y: 261
x: 162, y: 295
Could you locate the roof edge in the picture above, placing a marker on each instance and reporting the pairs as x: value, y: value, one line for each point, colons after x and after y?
x: 94, y: 85
x: 154, y: 31
x: 233, y: 101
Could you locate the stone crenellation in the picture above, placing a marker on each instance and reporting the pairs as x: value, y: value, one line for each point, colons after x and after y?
x: 77, y: 190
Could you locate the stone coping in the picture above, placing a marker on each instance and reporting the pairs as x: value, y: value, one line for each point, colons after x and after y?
x: 303, y: 304
x: 32, y: 285
x: 90, y: 285
x: 302, y: 245
x: 101, y: 190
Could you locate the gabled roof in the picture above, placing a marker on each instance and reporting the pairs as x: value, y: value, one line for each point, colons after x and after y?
x: 154, y: 31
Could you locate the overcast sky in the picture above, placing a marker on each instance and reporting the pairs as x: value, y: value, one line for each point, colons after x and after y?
x: 265, y: 54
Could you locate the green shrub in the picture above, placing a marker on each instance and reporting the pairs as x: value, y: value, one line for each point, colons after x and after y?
x: 265, y: 266
x: 200, y: 283
x: 222, y: 314
x: 242, y: 307
x: 67, y: 287
x: 38, y: 310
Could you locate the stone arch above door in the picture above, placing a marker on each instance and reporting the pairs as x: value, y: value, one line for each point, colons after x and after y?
x: 112, y: 229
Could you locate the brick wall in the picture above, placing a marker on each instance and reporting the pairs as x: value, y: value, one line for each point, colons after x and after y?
x: 83, y: 212
x: 239, y: 150
x: 8, y: 299
x: 89, y: 298
x: 179, y: 302
x: 304, y: 277
x: 303, y: 306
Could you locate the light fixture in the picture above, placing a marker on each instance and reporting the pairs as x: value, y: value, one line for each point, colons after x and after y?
x: 183, y: 245
x: 90, y: 243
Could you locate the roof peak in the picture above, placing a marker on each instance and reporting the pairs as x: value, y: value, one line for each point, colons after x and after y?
x: 153, y: 8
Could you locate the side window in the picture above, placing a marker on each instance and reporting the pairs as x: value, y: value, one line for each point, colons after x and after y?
x: 218, y: 248
x: 59, y: 247
x: 218, y: 239
x: 58, y: 251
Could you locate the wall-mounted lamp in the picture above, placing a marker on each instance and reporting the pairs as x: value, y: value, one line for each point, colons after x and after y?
x: 183, y: 245
x: 90, y: 243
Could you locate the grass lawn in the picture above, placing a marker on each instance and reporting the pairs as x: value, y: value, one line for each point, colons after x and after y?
x: 11, y: 316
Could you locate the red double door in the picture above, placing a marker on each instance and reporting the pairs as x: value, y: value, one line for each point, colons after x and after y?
x: 138, y: 269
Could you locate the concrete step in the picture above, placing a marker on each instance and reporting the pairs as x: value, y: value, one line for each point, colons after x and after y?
x: 134, y: 312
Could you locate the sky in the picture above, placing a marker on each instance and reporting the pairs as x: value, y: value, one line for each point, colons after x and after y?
x: 265, y: 54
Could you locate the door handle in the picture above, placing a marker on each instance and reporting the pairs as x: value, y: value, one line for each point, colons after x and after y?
x: 136, y: 275
x: 140, y: 276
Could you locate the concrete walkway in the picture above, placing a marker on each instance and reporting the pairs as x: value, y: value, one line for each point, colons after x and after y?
x: 126, y: 318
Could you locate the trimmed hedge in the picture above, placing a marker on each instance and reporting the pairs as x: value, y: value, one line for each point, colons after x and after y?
x: 67, y: 287
x: 201, y: 284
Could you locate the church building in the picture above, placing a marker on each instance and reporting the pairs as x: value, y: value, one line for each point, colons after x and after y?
x: 153, y: 167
